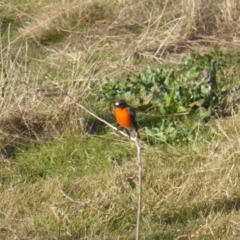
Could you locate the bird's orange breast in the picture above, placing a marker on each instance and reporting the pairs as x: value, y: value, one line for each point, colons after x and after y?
x: 123, y: 117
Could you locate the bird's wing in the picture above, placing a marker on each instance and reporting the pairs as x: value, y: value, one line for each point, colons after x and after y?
x: 133, y: 118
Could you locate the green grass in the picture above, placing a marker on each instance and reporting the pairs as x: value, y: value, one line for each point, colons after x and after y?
x: 69, y: 167
x: 87, y: 186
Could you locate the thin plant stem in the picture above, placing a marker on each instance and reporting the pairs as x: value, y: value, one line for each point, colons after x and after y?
x: 139, y: 212
x: 136, y: 140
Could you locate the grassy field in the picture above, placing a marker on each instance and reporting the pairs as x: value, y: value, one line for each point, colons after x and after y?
x: 64, y: 175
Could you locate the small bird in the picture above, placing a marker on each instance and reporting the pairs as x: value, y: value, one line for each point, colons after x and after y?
x: 126, y: 117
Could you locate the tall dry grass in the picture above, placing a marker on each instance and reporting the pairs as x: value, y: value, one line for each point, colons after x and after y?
x: 76, y: 44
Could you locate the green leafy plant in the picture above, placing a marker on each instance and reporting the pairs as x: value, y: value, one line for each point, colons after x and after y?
x: 170, y: 97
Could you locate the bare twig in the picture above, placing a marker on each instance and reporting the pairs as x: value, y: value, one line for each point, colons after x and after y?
x: 136, y: 140
x: 91, y: 113
x: 139, y: 189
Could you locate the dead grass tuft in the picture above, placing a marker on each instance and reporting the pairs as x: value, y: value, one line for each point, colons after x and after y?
x: 55, y: 22
x: 207, y: 19
x: 98, y: 12
x: 46, y: 27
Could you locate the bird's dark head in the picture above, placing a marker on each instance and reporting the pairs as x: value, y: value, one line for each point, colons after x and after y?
x: 121, y: 103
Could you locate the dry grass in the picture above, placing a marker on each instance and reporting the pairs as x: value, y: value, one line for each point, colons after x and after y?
x: 68, y: 189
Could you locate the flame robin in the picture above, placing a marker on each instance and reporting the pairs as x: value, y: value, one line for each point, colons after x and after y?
x: 126, y: 117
